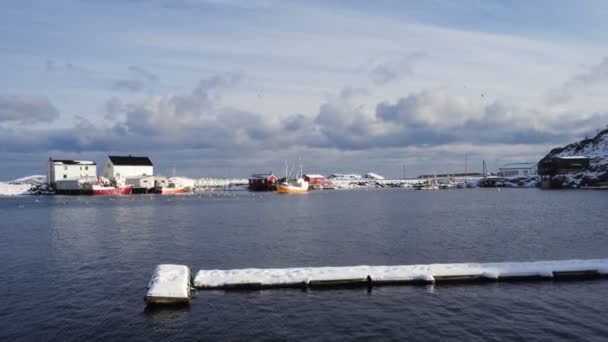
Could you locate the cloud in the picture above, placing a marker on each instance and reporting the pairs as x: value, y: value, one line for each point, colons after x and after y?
x: 434, y: 118
x: 349, y: 92
x: 128, y: 85
x: 595, y: 75
x: 26, y: 109
x: 144, y: 74
x: 51, y: 66
x: 139, y: 80
x: 390, y: 71
x: 218, y: 81
x: 431, y: 120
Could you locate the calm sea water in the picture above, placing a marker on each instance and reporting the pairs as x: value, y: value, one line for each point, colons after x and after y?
x: 76, y: 268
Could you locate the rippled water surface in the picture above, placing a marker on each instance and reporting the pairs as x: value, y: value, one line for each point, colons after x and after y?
x: 76, y: 268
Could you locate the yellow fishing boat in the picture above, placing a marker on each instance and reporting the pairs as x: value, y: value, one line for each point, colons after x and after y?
x: 297, y: 186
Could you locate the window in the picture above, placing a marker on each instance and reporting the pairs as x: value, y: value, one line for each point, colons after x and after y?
x: 65, y: 167
x: 86, y: 167
x: 65, y: 176
x: 81, y: 168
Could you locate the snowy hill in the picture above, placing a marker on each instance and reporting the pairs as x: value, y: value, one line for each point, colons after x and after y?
x: 35, y: 179
x: 596, y: 149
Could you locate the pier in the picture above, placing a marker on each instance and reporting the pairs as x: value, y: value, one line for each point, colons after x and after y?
x: 367, y: 276
x: 170, y: 284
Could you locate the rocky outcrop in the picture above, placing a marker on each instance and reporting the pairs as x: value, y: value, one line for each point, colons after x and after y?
x: 596, y: 149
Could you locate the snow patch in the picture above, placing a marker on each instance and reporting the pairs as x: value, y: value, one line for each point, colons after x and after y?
x: 9, y: 189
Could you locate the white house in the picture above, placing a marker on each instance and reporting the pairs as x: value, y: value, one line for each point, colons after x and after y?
x: 63, y: 170
x: 119, y: 168
x: 518, y: 170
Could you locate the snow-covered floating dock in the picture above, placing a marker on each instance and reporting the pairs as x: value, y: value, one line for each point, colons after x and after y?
x: 170, y: 284
x: 316, y: 277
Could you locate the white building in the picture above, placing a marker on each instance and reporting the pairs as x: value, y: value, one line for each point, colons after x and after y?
x: 64, y: 170
x: 518, y: 170
x: 119, y: 168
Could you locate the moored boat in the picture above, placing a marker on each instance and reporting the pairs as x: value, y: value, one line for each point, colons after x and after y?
x: 165, y: 190
x: 171, y: 188
x: 298, y: 186
x: 104, y: 187
x: 293, y: 186
x: 108, y: 190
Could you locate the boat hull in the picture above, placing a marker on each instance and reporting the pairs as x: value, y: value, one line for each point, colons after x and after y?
x: 109, y: 191
x: 290, y: 189
x: 170, y: 191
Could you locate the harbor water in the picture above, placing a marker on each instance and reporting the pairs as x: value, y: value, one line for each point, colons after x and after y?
x: 76, y: 268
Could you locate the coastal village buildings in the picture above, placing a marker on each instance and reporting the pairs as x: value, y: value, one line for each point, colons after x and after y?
x: 517, y: 170
x: 121, y: 168
x: 69, y: 170
x: 317, y: 181
x: 263, y: 182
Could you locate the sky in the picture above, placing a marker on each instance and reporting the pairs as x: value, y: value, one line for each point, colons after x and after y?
x: 227, y: 88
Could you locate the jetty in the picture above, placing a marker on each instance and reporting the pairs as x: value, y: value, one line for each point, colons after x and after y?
x: 171, y: 284
x: 313, y: 277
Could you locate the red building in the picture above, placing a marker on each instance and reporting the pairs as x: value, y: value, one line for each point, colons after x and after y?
x: 316, y: 181
x: 263, y: 182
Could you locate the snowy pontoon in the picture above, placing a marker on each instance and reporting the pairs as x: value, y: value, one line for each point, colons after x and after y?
x: 170, y: 284
x: 253, y: 278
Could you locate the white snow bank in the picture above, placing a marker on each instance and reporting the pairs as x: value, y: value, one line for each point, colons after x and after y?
x: 373, y: 183
x: 220, y: 182
x: 34, y: 179
x: 372, y: 175
x: 343, y: 176
x: 287, y: 276
x: 169, y: 284
x: 8, y: 189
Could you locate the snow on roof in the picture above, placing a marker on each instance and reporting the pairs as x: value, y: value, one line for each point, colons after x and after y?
x: 313, y: 175
x: 72, y: 162
x: 574, y: 157
x: 261, y: 176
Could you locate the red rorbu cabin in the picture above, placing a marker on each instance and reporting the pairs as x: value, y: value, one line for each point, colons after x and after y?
x: 263, y: 182
x: 317, y: 181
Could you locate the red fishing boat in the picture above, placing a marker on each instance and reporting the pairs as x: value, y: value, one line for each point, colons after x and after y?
x: 109, y: 190
x: 104, y: 187
x: 170, y: 189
